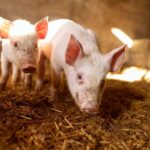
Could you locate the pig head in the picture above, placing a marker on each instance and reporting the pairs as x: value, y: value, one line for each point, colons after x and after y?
x: 20, y: 43
x: 86, y: 73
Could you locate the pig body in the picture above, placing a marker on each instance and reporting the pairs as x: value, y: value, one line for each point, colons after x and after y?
x: 75, y: 50
x: 19, y: 49
x: 8, y: 60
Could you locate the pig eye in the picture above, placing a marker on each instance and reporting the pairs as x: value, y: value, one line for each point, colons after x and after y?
x: 15, y: 44
x: 80, y: 78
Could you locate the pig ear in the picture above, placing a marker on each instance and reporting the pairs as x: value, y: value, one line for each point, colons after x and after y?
x: 42, y: 28
x: 74, y: 51
x: 115, y: 58
x: 4, y: 27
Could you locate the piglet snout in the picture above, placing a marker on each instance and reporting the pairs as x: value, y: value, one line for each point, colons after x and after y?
x: 89, y: 108
x: 29, y: 69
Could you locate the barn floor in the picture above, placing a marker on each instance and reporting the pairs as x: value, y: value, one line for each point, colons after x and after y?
x: 32, y: 120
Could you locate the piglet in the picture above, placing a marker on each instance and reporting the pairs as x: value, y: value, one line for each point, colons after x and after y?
x: 76, y: 51
x: 19, y: 48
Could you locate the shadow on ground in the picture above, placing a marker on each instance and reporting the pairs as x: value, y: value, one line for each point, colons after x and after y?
x: 34, y: 120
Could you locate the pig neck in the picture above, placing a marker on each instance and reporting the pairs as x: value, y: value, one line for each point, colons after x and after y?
x: 45, y: 48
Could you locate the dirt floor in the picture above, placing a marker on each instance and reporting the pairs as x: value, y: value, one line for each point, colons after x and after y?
x: 32, y: 120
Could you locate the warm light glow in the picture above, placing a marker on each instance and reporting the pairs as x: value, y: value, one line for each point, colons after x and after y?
x: 21, y: 27
x: 131, y: 74
x: 54, y: 27
x: 123, y: 37
x: 147, y: 76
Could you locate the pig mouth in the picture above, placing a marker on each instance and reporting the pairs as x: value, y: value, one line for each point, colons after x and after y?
x: 29, y: 69
x: 92, y: 111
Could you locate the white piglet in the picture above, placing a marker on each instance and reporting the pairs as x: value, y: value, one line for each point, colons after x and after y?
x: 75, y: 50
x: 19, y: 48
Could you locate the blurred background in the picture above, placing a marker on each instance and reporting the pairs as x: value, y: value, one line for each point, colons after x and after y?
x: 131, y: 17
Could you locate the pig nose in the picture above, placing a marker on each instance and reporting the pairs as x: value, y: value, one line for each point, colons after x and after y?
x: 92, y: 110
x: 29, y: 69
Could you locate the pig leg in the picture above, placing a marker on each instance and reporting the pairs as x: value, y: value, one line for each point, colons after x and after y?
x: 5, y: 70
x: 41, y: 72
x: 28, y: 80
x: 15, y: 76
x: 55, y: 83
x: 22, y: 76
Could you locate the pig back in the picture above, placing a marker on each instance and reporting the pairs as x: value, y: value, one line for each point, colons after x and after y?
x: 59, y: 38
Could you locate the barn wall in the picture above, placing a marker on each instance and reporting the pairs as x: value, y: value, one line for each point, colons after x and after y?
x: 132, y: 16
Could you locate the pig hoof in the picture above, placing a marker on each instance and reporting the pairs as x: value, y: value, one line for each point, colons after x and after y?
x: 38, y: 86
x: 54, y: 93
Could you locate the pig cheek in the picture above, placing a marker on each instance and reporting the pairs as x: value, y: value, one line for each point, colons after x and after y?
x: 21, y: 59
x: 20, y: 62
x: 76, y: 98
x: 34, y: 55
x: 15, y: 57
x: 81, y: 98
